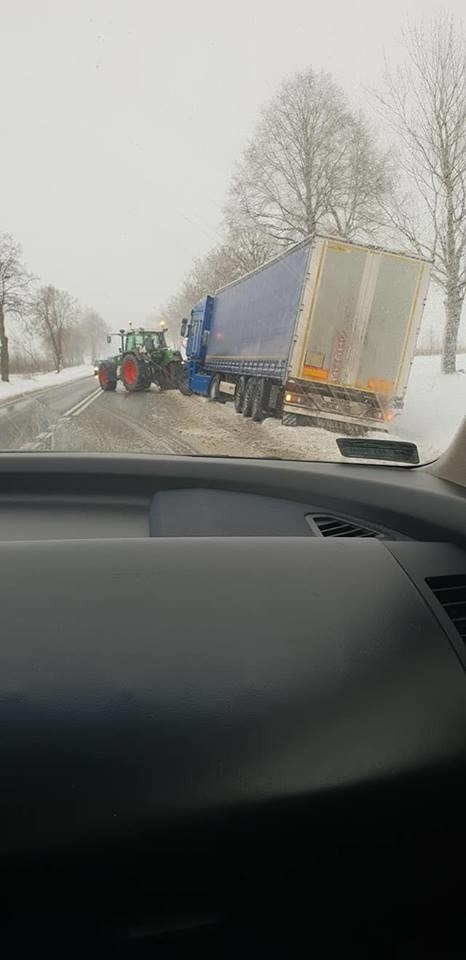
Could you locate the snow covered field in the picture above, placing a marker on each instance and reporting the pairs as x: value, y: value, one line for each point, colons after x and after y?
x: 19, y: 385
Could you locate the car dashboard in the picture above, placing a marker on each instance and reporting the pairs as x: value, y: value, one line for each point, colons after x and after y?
x: 233, y: 703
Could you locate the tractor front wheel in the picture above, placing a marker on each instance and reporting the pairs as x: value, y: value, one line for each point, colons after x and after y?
x: 134, y: 373
x: 107, y: 375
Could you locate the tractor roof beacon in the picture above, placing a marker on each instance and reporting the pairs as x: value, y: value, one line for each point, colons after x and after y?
x: 143, y: 359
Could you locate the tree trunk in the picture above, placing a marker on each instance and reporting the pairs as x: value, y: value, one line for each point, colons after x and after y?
x: 4, y: 355
x: 453, y: 306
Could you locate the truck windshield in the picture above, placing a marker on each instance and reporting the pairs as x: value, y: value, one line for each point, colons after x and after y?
x: 299, y: 197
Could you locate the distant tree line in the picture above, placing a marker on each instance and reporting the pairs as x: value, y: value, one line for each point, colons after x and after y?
x: 314, y: 165
x: 41, y: 327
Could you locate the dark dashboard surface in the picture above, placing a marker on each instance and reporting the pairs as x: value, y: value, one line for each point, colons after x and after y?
x: 64, y: 497
x: 198, y: 679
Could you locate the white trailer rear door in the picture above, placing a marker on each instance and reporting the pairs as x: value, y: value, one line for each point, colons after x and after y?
x: 363, y: 313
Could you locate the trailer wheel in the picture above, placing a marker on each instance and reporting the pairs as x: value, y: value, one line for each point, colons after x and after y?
x: 239, y: 394
x: 107, y: 376
x: 249, y: 396
x: 258, y: 401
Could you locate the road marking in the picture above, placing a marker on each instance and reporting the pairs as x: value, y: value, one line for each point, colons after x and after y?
x: 31, y: 394
x: 37, y: 443
x: 41, y: 438
x: 79, y: 407
x: 84, y: 406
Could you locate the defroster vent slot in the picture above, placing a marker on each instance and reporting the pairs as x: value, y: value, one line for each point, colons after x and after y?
x: 451, y: 593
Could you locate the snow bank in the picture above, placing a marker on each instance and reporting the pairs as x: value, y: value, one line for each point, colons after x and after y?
x: 19, y: 385
x: 435, y: 405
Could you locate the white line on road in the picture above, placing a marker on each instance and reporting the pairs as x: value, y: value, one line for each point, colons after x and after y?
x: 31, y: 394
x: 79, y: 407
x: 37, y: 443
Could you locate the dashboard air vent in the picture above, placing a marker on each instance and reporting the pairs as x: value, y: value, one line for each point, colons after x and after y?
x: 329, y: 526
x: 451, y: 593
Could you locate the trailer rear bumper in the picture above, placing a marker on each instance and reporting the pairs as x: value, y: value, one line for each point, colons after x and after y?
x: 335, y: 403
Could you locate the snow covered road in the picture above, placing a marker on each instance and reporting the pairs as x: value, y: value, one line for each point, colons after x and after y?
x: 76, y: 416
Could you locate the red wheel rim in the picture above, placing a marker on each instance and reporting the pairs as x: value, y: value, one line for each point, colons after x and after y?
x: 129, y: 371
x: 103, y: 379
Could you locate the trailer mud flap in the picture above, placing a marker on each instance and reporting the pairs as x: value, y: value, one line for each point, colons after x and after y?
x: 290, y: 420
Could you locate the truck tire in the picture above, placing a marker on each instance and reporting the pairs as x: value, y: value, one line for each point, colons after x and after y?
x: 214, y: 388
x: 249, y: 396
x: 107, y: 375
x: 239, y: 394
x: 182, y: 379
x: 258, y: 405
x: 134, y: 373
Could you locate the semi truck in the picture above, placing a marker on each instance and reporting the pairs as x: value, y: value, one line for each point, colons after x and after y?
x: 324, y: 335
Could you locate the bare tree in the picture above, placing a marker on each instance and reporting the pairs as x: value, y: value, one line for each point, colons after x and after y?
x: 15, y: 293
x: 425, y: 103
x: 246, y: 245
x: 55, y: 313
x: 242, y: 249
x: 93, y: 330
x: 311, y: 165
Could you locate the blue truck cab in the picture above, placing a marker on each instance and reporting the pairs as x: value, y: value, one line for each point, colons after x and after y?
x: 196, y: 348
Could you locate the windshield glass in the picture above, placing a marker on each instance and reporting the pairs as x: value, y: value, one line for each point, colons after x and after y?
x: 233, y: 231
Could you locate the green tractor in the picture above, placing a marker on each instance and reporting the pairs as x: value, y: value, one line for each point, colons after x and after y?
x: 144, y: 358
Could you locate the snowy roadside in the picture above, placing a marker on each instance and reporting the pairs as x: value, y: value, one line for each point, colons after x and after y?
x: 434, y: 407
x: 21, y: 385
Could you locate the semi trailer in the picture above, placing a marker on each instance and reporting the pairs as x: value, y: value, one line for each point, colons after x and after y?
x: 322, y: 335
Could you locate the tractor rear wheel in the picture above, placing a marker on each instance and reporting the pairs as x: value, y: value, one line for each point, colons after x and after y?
x: 134, y: 373
x: 107, y: 375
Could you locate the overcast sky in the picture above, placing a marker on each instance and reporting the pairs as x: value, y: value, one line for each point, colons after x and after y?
x: 122, y: 120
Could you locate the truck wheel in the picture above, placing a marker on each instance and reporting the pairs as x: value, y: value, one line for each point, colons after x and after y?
x: 258, y: 401
x: 134, y: 374
x: 249, y: 396
x: 182, y: 379
x: 183, y: 384
x: 214, y: 388
x: 107, y: 376
x: 239, y: 394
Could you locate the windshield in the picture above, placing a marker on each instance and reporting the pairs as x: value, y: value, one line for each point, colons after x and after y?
x: 233, y: 231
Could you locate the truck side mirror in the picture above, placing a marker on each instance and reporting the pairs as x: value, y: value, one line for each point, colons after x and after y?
x: 184, y: 324
x: 109, y: 339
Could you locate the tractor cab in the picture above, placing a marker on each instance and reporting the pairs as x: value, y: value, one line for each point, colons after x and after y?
x: 147, y: 339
